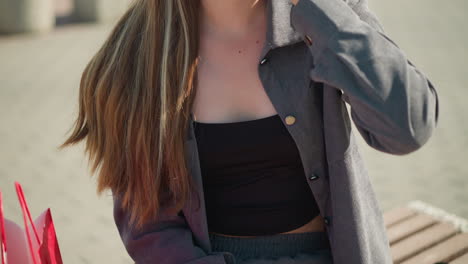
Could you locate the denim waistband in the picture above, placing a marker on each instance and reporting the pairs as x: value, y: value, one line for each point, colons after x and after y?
x: 275, y: 246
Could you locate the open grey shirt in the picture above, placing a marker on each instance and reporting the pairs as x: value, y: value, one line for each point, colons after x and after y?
x: 393, y: 106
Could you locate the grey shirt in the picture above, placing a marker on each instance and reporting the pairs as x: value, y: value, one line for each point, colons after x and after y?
x: 393, y: 106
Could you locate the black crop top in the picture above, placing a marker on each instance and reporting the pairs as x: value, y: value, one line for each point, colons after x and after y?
x: 253, y: 178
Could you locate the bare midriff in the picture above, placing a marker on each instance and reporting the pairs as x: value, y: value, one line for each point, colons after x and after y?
x: 314, y: 225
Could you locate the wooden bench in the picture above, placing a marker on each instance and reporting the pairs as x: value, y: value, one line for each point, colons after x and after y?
x: 423, y: 234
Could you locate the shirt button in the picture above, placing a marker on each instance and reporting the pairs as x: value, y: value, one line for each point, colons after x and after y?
x: 290, y: 120
x: 326, y: 220
x: 314, y: 176
x: 308, y: 40
x: 263, y: 61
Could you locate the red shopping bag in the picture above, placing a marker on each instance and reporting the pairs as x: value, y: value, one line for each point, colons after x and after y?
x: 36, y: 244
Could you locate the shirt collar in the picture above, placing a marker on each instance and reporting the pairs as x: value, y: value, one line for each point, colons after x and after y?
x: 279, y: 31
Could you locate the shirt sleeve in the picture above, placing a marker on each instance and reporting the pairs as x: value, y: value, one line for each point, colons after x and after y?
x: 167, y: 241
x: 393, y: 104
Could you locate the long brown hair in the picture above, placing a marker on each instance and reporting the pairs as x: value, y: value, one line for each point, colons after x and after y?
x: 135, y: 98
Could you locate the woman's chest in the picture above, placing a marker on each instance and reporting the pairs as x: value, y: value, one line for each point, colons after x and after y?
x: 228, y: 87
x: 298, y: 101
x: 235, y: 88
x: 229, y: 93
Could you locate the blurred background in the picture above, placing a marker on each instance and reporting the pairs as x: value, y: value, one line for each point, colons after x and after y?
x: 45, y: 45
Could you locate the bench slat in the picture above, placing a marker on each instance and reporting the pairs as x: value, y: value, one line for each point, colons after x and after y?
x: 408, y: 227
x: 423, y: 240
x: 397, y: 214
x: 444, y: 251
x: 460, y: 260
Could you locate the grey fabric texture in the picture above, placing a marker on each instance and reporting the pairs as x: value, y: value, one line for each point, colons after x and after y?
x: 351, y: 61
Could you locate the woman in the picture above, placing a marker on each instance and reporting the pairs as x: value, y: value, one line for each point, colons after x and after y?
x: 261, y: 166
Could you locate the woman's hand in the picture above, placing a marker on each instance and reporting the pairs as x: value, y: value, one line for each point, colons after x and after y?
x: 294, y: 2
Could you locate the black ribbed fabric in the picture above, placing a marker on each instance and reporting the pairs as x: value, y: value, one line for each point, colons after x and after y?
x: 253, y: 178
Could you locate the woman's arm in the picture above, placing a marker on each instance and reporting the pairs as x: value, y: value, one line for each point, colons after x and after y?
x: 169, y: 241
x: 393, y: 105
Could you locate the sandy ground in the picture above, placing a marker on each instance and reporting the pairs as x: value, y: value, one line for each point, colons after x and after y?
x: 39, y: 77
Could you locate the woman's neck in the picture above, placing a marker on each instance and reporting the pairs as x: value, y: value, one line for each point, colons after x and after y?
x: 231, y: 19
